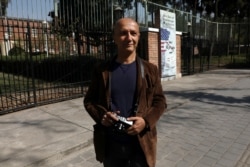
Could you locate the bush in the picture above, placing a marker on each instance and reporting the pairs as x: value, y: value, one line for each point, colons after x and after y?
x: 53, y: 69
x: 16, y: 51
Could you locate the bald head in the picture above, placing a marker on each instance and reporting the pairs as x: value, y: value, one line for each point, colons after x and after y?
x: 123, y: 21
x: 126, y: 36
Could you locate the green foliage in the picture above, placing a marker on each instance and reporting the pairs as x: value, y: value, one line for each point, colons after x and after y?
x: 220, y: 8
x: 16, y: 51
x: 54, y: 69
x: 78, y: 15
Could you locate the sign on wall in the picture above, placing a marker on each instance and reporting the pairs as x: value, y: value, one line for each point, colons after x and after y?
x: 168, y: 43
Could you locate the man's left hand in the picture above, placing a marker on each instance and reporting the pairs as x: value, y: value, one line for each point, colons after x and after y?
x: 138, y: 125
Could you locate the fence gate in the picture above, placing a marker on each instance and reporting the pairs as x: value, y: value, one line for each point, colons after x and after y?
x: 48, y: 49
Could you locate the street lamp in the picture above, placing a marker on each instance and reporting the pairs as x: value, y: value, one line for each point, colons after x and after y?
x: 190, y: 37
x: 118, y: 13
x: 45, y: 27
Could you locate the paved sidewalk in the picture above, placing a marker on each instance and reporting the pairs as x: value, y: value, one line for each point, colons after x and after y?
x: 208, y: 124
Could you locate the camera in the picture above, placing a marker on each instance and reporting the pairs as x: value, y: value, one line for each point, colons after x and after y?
x: 122, y: 124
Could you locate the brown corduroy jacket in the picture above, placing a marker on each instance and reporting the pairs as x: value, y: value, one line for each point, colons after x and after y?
x: 152, y: 102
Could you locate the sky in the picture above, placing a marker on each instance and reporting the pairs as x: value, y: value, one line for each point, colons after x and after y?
x: 32, y: 9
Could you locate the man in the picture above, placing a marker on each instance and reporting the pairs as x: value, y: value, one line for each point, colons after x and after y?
x: 126, y: 97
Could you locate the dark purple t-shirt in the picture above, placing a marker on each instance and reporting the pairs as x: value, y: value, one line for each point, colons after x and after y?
x: 123, y: 88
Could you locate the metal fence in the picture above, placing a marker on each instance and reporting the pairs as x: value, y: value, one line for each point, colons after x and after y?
x: 49, y: 47
x: 47, y: 53
x: 205, y: 44
x: 37, y: 66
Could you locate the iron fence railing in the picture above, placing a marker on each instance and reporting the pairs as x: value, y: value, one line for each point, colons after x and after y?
x: 48, y: 48
x: 205, y: 44
x: 45, y: 59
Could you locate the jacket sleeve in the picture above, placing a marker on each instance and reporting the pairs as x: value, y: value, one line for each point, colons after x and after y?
x: 94, y: 101
x: 156, y: 99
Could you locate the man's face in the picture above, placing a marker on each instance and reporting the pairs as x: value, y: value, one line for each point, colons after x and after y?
x: 126, y: 35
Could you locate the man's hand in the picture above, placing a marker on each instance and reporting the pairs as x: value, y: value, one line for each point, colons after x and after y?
x: 138, y: 125
x: 109, y: 119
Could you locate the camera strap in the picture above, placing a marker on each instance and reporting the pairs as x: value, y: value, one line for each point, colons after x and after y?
x: 137, y: 100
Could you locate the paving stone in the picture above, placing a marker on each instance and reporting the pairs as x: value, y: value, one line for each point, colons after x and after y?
x: 208, y: 126
x: 206, y: 160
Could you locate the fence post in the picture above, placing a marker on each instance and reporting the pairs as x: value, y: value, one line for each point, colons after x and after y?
x: 31, y: 65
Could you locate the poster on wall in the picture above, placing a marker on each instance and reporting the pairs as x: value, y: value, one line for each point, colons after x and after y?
x: 168, y: 43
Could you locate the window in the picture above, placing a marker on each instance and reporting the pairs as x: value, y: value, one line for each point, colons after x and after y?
x: 34, y: 33
x: 10, y: 31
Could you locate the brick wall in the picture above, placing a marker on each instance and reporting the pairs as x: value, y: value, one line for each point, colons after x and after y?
x: 178, y: 55
x: 153, y: 48
x: 150, y: 43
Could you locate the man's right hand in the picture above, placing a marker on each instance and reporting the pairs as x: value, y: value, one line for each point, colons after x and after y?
x: 109, y: 119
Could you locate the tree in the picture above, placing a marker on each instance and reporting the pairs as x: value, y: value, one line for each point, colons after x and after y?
x: 226, y: 8
x: 77, y: 18
x: 219, y: 8
x: 86, y: 16
x: 90, y: 18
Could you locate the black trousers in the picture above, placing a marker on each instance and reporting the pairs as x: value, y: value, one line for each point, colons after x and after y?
x: 124, y: 155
